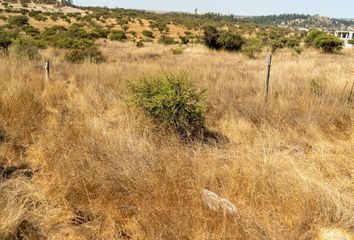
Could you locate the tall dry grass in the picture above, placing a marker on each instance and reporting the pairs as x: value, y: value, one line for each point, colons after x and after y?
x: 101, y: 171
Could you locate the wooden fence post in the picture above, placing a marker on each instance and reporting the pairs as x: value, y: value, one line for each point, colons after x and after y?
x: 266, y: 83
x: 47, y: 71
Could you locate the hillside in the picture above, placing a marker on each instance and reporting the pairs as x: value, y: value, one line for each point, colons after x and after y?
x: 299, y: 21
x: 137, y: 133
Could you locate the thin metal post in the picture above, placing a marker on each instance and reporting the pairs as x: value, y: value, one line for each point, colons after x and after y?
x: 47, y: 71
x: 266, y: 83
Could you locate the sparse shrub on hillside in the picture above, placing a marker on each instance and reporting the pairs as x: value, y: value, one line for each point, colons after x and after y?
x: 231, y: 41
x: 4, y: 18
x: 167, y: 40
x: 73, y: 43
x: 25, y: 48
x: 328, y: 43
x: 139, y: 44
x: 117, y: 36
x: 211, y: 36
x: 148, y: 34
x: 252, y: 46
x: 100, y: 32
x: 276, y: 44
x: 18, y: 21
x: 292, y: 42
x: 311, y: 37
x: 31, y: 31
x: 91, y: 54
x: 6, y: 39
x: 125, y: 27
x: 184, y: 39
x: 172, y: 101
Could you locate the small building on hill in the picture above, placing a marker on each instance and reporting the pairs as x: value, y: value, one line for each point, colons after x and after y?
x: 346, y: 36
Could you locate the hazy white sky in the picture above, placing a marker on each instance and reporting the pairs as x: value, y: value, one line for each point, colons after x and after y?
x: 331, y: 8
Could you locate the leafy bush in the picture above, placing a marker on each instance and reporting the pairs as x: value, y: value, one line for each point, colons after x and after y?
x: 148, y: 34
x: 6, y: 39
x: 351, y: 41
x: 172, y: 101
x: 73, y: 43
x: 164, y: 39
x: 328, y: 43
x: 211, y: 37
x: 184, y: 39
x: 18, y: 21
x: 139, y: 44
x: 231, y: 41
x: 117, y: 36
x: 252, y: 46
x: 91, y: 54
x: 31, y: 31
x: 311, y: 37
x: 25, y: 48
x: 276, y: 44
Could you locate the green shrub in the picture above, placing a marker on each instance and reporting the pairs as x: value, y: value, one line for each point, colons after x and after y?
x: 311, y: 36
x: 167, y: 40
x: 328, y: 43
x: 91, y: 54
x: 252, y: 46
x: 25, y: 48
x: 40, y: 18
x: 211, y: 37
x: 148, y: 34
x: 18, y: 21
x: 6, y: 39
x: 73, y: 43
x: 292, y: 42
x: 184, y: 39
x: 231, y: 41
x: 31, y: 31
x: 117, y: 36
x: 351, y: 41
x: 172, y: 101
x: 276, y: 44
x: 140, y: 44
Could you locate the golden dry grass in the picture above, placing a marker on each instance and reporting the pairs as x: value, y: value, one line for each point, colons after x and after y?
x: 100, y: 171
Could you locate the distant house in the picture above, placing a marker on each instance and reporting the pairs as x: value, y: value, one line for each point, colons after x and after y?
x: 66, y: 1
x: 345, y: 36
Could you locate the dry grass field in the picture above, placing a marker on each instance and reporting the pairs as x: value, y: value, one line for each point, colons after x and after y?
x: 82, y: 163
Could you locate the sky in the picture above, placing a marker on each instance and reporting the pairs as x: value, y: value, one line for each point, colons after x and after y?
x: 330, y: 8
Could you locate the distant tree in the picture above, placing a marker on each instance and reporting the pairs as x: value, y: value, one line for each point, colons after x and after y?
x: 6, y: 39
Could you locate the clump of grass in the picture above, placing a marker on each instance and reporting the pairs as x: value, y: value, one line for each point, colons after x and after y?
x: 177, y: 50
x: 172, y: 101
